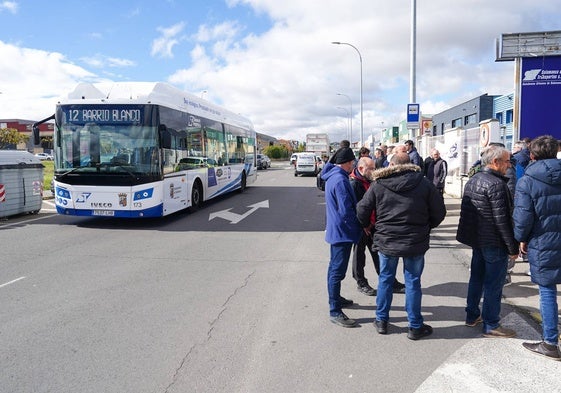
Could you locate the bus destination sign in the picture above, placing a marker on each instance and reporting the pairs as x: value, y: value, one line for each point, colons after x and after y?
x: 99, y: 115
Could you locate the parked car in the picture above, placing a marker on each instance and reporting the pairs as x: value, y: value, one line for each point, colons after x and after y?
x: 263, y: 161
x: 306, y: 163
x: 44, y: 156
x: 195, y: 162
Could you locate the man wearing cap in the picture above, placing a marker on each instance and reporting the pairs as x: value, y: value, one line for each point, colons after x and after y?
x: 342, y: 230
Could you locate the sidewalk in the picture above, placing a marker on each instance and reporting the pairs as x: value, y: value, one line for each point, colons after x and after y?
x: 521, y: 292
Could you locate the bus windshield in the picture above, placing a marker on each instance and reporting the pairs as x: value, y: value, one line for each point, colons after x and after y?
x: 106, y: 148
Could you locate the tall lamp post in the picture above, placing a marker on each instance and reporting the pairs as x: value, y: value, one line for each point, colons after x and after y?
x: 360, y: 58
x: 350, y: 117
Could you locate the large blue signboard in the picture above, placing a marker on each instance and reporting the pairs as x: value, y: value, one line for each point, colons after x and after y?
x: 540, y: 97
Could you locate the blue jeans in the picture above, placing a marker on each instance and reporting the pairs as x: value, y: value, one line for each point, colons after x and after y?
x: 412, y: 270
x: 488, y: 271
x: 338, y: 263
x: 549, y: 311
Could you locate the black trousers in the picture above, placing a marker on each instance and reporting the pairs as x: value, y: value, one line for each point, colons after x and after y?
x: 359, y: 259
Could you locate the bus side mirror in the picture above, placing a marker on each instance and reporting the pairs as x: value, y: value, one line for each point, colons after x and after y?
x: 35, y: 128
x: 36, y: 138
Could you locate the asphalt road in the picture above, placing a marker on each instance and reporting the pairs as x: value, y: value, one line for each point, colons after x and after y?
x: 196, y: 303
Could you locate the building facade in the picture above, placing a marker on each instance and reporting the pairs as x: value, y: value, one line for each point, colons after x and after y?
x: 25, y: 127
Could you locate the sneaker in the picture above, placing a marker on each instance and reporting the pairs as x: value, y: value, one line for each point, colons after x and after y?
x: 508, y: 280
x: 398, y: 287
x: 367, y: 290
x: 510, y: 266
x: 544, y: 349
x: 416, y: 334
x: 343, y: 320
x: 381, y: 326
x: 477, y: 321
x: 500, y: 332
x: 346, y: 302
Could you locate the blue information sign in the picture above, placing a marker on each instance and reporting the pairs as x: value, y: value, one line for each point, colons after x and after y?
x: 540, y: 97
x: 413, y: 115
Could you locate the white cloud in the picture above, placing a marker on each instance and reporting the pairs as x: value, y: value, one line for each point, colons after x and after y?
x: 101, y: 61
x: 285, y: 75
x: 163, y: 45
x: 10, y: 6
x: 286, y: 78
x: 32, y: 80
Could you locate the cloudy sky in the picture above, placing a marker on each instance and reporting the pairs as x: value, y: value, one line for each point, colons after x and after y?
x: 269, y: 60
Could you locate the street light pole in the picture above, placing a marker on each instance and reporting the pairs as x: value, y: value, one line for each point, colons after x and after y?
x: 360, y: 58
x: 348, y: 118
x: 351, y: 116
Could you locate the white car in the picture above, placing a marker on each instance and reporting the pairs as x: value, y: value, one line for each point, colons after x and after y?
x: 44, y: 156
x: 306, y: 163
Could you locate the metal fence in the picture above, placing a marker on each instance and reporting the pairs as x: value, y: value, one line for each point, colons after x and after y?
x: 460, y: 148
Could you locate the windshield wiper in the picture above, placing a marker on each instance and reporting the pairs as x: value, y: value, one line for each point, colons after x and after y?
x: 123, y: 168
x: 72, y: 170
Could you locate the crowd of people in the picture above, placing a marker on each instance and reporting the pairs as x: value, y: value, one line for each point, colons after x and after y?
x: 388, y: 203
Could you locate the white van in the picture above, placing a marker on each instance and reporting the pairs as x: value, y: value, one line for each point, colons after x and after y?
x: 306, y: 163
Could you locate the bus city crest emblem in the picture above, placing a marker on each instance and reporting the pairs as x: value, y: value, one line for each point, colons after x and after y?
x: 123, y: 199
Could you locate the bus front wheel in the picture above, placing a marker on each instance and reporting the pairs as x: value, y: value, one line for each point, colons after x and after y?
x: 243, y: 182
x: 196, y: 196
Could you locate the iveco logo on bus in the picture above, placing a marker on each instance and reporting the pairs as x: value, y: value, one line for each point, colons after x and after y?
x: 101, y: 204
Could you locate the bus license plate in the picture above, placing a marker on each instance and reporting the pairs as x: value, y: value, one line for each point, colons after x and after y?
x: 106, y: 213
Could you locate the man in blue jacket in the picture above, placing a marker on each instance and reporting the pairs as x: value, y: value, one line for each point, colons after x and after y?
x: 537, y: 225
x: 342, y: 230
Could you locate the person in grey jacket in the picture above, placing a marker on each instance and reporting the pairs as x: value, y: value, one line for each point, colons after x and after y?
x: 486, y: 226
x: 407, y: 207
x: 537, y: 225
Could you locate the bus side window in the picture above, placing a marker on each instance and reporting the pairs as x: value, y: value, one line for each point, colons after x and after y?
x: 165, y: 136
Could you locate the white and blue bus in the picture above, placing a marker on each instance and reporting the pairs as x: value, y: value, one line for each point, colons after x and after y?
x: 139, y: 149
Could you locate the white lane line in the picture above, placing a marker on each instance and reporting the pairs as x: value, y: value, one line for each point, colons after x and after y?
x: 11, y: 282
x: 25, y: 221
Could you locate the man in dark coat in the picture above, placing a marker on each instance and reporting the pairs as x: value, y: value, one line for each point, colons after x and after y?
x: 486, y: 226
x: 360, y: 182
x: 537, y: 224
x: 414, y: 154
x: 407, y: 207
x: 437, y: 170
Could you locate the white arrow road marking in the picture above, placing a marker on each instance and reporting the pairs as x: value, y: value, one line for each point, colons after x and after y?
x: 234, y: 218
x: 11, y: 282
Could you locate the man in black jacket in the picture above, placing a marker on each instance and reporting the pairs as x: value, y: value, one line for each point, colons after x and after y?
x: 360, y: 182
x: 486, y: 226
x: 407, y: 207
x: 437, y: 170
